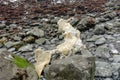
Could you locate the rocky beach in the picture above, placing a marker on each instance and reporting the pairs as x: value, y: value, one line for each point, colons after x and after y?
x: 26, y: 25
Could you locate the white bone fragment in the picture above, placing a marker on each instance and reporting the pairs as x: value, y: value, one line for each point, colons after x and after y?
x: 72, y: 43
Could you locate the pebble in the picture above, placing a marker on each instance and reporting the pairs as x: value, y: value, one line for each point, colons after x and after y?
x: 113, y: 49
x: 100, y: 41
x: 27, y: 47
x: 103, y: 69
x: 102, y: 52
x: 40, y: 41
x: 36, y: 32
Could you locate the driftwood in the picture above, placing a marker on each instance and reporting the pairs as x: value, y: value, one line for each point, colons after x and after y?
x: 72, y: 43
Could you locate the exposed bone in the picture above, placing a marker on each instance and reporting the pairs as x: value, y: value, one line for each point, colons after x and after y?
x: 72, y: 43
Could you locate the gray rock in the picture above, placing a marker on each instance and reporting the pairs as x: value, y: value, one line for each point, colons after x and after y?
x: 108, y: 79
x: 16, y: 38
x: 109, y: 37
x: 102, y: 52
x: 11, y: 49
x: 99, y: 29
x: 94, y: 38
x: 13, y: 25
x: 86, y: 53
x: 9, y: 44
x: 109, y: 25
x: 113, y: 49
x: 27, y: 47
x: 100, y: 41
x: 103, y: 69
x: 86, y: 23
x: 110, y: 15
x: 36, y: 32
x: 40, y: 41
x: 1, y: 45
x: 116, y: 58
x: 71, y: 68
x: 54, y: 40
x: 115, y: 69
x: 117, y: 24
x: 2, y: 26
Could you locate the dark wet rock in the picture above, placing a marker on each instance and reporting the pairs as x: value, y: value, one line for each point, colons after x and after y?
x: 29, y: 39
x: 100, y: 41
x: 71, y: 68
x: 103, y: 69
x: 86, y: 23
x: 40, y: 41
x: 109, y: 37
x: 27, y: 47
x: 36, y: 32
x: 102, y: 52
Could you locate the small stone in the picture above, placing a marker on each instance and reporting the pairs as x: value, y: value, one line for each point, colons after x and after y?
x: 18, y: 44
x: 116, y: 58
x: 11, y: 49
x: 94, y: 38
x: 113, y: 49
x: 86, y: 23
x: 29, y: 39
x: 108, y: 79
x: 2, y: 26
x: 3, y: 40
x: 36, y: 32
x: 103, y: 69
x: 99, y: 29
x: 100, y: 41
x: 9, y: 44
x: 102, y: 52
x: 1, y: 45
x: 109, y: 26
x: 86, y: 53
x: 27, y: 47
x: 40, y: 41
x: 16, y: 38
x: 110, y: 15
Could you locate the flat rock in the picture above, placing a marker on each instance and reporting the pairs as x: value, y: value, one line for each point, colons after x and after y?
x: 27, y: 47
x: 36, y: 32
x: 100, y: 41
x: 40, y: 41
x: 71, y: 68
x: 102, y: 52
x: 103, y: 69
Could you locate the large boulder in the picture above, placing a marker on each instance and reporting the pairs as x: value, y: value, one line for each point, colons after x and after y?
x: 76, y: 67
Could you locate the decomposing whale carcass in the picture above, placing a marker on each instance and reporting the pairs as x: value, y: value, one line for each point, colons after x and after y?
x: 72, y: 43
